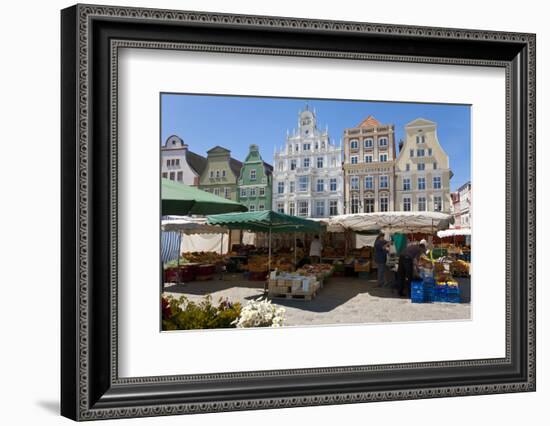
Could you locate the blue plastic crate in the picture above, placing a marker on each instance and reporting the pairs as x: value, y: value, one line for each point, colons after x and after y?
x: 453, y: 294
x: 440, y: 293
x: 417, y: 292
x: 429, y: 290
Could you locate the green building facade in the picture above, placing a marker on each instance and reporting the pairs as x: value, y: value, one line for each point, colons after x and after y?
x: 255, y: 182
x: 221, y: 174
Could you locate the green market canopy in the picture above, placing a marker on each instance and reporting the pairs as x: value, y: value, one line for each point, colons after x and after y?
x: 180, y: 199
x: 264, y: 221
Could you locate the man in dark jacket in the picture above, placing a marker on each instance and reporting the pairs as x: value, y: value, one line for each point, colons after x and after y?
x: 381, y: 247
x: 407, y: 268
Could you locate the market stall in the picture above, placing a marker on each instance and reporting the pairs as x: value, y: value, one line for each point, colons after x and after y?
x: 260, y: 266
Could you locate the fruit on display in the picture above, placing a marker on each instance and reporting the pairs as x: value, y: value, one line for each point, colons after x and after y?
x: 203, y: 257
x: 460, y: 268
x: 319, y: 270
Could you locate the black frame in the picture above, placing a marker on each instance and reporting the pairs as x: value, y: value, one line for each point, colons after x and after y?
x: 90, y: 387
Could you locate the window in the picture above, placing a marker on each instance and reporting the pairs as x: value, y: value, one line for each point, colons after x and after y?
x: 316, y: 146
x: 383, y: 182
x: 319, y: 162
x: 437, y: 204
x: 407, y: 204
x: 421, y: 183
x: 177, y: 161
x: 333, y: 184
x: 168, y: 163
x: 369, y: 205
x: 306, y: 147
x: 437, y: 182
x: 251, y: 208
x: 367, y: 143
x: 407, y: 167
x: 320, y: 208
x: 253, y: 174
x: 333, y: 161
x: 303, y: 208
x: 354, y: 159
x: 223, y: 173
x: 261, y: 207
x: 227, y: 193
x: 252, y: 192
x: 306, y: 163
x: 320, y: 185
x: 333, y: 207
x: 217, y: 191
x: 354, y: 182
x: 368, y: 182
x: 384, y: 204
x: 303, y: 183
x: 211, y: 173
x: 421, y: 204
x: 383, y: 158
x: 281, y: 207
x: 172, y: 175
x: 180, y: 177
x: 383, y: 141
x: 420, y: 139
x: 354, y: 144
x: 368, y: 158
x: 355, y: 204
x: 165, y: 175
x: 429, y: 151
x: 296, y: 148
x: 435, y: 165
x: 411, y: 153
x: 280, y: 187
x: 291, y: 186
x: 322, y: 145
x: 243, y: 192
x: 421, y: 166
x: 292, y: 164
x: 420, y: 153
x: 217, y: 173
x: 280, y: 166
x: 291, y: 209
x: 406, y: 184
x: 262, y: 191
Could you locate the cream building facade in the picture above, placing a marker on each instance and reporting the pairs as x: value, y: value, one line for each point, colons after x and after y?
x: 422, y: 170
x: 369, y: 167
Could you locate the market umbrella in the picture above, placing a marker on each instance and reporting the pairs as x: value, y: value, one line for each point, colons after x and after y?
x: 264, y: 221
x: 180, y: 199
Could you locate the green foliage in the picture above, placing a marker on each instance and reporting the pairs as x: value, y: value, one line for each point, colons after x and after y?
x: 183, y: 314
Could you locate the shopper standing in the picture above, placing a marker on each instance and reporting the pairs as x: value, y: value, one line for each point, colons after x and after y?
x: 315, y: 250
x: 381, y: 247
x: 407, y: 269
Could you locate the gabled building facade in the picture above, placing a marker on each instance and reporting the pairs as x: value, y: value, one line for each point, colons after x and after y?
x: 462, y: 203
x: 422, y: 170
x: 221, y: 173
x: 179, y: 164
x: 255, y: 182
x: 369, y: 167
x: 307, y: 172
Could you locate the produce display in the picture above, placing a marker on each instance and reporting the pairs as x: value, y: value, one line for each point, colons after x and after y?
x: 203, y: 257
x: 460, y: 268
x: 319, y: 270
x: 331, y: 252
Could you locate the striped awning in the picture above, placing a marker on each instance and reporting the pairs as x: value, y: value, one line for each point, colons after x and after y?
x: 170, y: 246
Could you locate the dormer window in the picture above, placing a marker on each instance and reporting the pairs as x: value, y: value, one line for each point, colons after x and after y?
x: 253, y: 174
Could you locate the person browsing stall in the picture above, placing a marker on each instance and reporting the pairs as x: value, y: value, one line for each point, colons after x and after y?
x: 315, y: 250
x: 407, y: 269
x: 381, y: 248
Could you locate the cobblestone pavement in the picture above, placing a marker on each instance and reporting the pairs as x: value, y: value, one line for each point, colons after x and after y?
x: 340, y: 301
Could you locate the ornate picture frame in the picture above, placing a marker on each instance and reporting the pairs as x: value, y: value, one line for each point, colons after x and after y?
x: 91, y: 387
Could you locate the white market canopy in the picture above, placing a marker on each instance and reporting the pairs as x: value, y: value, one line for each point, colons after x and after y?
x: 394, y: 221
x: 454, y: 232
x: 190, y: 225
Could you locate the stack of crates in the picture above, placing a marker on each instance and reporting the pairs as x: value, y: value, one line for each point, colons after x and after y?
x: 440, y: 292
x: 429, y: 289
x: 417, y: 291
x: 453, y: 292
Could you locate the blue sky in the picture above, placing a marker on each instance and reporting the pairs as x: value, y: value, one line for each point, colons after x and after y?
x: 235, y: 122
